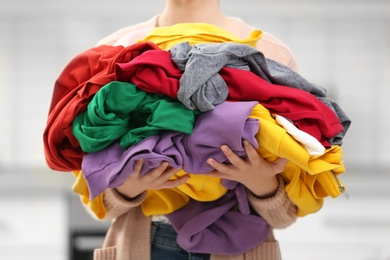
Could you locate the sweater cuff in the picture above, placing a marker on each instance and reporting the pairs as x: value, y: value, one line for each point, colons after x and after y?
x: 273, y: 202
x: 108, y: 253
x: 117, y: 205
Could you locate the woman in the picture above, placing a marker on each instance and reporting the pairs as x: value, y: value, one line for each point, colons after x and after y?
x: 134, y: 236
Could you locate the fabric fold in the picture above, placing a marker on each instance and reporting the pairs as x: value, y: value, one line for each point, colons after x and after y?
x: 226, y: 124
x: 82, y: 77
x: 216, y: 228
x: 121, y: 111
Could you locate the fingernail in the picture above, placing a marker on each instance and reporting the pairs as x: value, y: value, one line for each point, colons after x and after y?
x: 245, y: 142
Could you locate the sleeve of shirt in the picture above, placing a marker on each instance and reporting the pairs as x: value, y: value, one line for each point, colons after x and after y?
x: 116, y: 205
x: 278, y: 211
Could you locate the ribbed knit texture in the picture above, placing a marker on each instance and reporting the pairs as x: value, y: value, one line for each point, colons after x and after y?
x: 108, y: 253
x: 269, y: 208
x: 267, y: 251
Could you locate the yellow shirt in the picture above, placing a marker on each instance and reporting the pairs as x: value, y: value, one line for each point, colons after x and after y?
x: 80, y: 187
x: 159, y: 202
x: 309, y: 179
x: 195, y: 33
x: 198, y: 187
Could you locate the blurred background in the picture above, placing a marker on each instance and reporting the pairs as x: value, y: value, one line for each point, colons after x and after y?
x: 343, y: 45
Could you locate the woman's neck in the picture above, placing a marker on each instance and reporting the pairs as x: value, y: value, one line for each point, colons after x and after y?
x: 196, y: 11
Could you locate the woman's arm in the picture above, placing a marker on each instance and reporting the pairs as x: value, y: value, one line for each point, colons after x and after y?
x: 277, y: 210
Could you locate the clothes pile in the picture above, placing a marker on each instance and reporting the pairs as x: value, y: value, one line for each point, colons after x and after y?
x: 177, y: 95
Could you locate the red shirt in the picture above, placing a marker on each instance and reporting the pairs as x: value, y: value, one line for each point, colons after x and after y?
x: 74, y: 88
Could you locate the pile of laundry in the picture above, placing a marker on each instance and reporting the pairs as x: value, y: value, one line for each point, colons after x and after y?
x: 178, y: 99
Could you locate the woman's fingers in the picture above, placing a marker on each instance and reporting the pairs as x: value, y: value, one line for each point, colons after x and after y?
x: 233, y: 158
x: 251, y: 152
x: 221, y: 170
x: 138, y: 167
x: 279, y: 165
x: 236, y: 162
x: 156, y: 172
x: 169, y: 184
x: 160, y: 177
x: 168, y: 174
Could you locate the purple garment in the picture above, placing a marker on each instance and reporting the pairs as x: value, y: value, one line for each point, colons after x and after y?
x: 214, y: 228
x: 227, y: 123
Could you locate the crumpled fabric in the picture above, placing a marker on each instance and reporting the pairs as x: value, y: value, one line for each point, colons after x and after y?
x: 202, y: 62
x: 199, y: 187
x: 154, y: 72
x: 312, y: 145
x: 308, y: 179
x: 82, y: 77
x: 121, y: 111
x: 80, y: 187
x: 215, y: 228
x: 227, y: 124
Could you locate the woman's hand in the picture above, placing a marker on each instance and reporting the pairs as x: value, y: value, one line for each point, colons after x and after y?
x: 156, y: 179
x: 257, y: 174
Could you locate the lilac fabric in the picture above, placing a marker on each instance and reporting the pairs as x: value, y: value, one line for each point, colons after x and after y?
x: 214, y: 228
x: 227, y: 123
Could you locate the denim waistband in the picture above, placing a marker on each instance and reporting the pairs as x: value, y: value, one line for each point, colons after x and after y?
x: 164, y: 245
x: 164, y: 233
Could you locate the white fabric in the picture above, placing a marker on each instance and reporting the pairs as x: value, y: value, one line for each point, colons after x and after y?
x: 311, y: 144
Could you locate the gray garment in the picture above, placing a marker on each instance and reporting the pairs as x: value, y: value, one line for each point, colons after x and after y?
x: 201, y: 87
x: 201, y: 63
x: 345, y: 121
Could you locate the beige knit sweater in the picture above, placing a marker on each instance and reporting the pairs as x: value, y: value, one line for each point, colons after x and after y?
x: 128, y: 237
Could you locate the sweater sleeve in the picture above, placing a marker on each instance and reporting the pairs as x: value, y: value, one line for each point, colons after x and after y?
x: 116, y: 205
x: 278, y: 210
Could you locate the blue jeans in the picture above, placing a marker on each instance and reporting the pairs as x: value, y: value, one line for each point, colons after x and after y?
x: 164, y: 246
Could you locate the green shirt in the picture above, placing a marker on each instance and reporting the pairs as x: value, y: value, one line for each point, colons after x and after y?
x: 121, y: 111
